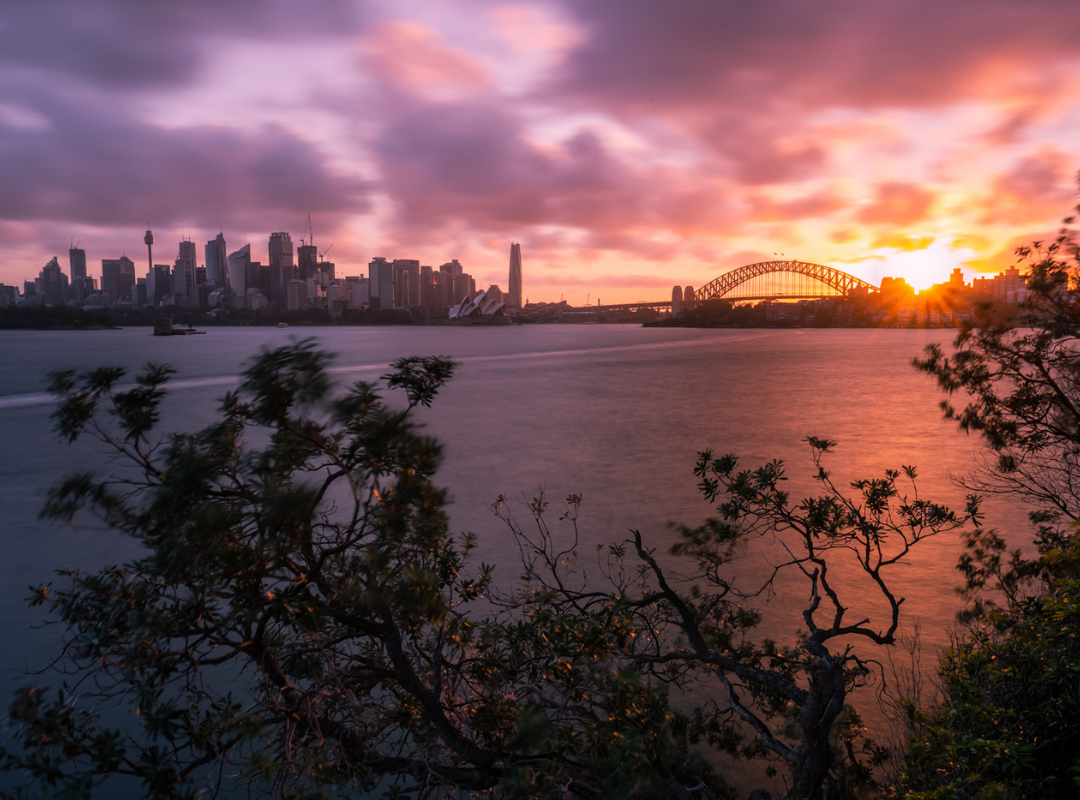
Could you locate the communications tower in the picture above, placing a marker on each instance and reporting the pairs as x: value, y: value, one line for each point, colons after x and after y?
x: 149, y: 239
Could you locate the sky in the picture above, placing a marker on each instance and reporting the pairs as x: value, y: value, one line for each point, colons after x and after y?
x: 628, y: 145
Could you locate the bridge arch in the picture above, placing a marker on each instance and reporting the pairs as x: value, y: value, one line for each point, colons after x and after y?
x: 839, y: 283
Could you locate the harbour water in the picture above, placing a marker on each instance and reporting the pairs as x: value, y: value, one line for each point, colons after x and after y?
x: 615, y: 414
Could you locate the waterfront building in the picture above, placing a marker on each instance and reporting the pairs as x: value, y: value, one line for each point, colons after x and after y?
x: 513, y: 299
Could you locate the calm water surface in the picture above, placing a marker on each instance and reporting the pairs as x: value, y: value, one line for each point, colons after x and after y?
x: 615, y: 414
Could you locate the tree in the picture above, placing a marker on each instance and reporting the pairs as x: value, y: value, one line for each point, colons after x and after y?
x: 787, y: 703
x: 301, y: 621
x: 1006, y: 722
x: 299, y: 546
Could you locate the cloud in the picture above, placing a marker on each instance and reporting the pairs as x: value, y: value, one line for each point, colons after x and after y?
x: 95, y: 166
x: 129, y: 44
x: 914, y: 53
x: 898, y: 204
x: 1036, y: 190
x: 412, y: 57
x: 473, y: 162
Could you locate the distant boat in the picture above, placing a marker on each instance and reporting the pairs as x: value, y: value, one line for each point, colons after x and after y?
x: 163, y: 327
x: 283, y: 324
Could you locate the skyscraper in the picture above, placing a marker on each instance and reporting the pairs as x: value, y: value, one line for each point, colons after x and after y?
x: 282, y: 266
x: 307, y: 261
x: 77, y: 263
x: 52, y: 284
x: 183, y: 277
x: 117, y: 278
x: 411, y: 267
x: 239, y: 265
x: 217, y: 266
x: 514, y: 296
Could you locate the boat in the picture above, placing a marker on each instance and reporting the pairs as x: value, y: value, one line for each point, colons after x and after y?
x: 163, y: 327
x: 283, y: 324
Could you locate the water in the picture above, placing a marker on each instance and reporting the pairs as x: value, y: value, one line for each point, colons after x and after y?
x: 613, y: 413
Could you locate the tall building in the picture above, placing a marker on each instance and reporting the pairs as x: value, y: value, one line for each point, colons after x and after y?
x: 183, y: 275
x: 157, y: 284
x: 217, y: 262
x: 381, y: 280
x: 52, y: 284
x: 515, y: 295
x: 410, y: 267
x: 307, y: 261
x: 117, y: 278
x: 77, y: 263
x: 239, y: 266
x: 282, y: 265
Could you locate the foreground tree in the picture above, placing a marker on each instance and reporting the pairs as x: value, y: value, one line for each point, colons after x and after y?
x: 789, y: 703
x: 1006, y: 725
x: 301, y: 621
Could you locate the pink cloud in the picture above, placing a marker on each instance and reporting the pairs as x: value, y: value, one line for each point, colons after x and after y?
x: 411, y: 56
x: 897, y: 203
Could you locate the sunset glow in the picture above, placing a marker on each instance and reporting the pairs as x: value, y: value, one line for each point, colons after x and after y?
x: 628, y: 147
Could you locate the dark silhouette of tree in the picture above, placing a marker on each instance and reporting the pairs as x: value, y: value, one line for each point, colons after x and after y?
x: 1006, y: 725
x: 787, y: 703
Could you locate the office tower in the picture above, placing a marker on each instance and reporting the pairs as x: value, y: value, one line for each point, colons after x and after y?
x: 239, y: 269
x: 217, y: 262
x: 52, y: 285
x: 183, y: 275
x: 412, y: 268
x: 77, y: 263
x: 381, y: 280
x: 514, y: 296
x: 307, y: 261
x: 157, y: 284
x: 282, y: 266
x: 453, y: 278
x: 117, y: 278
x: 296, y: 295
x: 427, y: 287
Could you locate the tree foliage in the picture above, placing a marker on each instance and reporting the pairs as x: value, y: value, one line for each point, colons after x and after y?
x: 300, y: 621
x: 1006, y: 725
x: 787, y: 703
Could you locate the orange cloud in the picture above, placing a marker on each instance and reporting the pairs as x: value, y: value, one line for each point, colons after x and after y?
x: 898, y: 241
x: 897, y: 203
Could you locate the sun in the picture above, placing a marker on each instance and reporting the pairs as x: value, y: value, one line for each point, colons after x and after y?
x: 924, y: 267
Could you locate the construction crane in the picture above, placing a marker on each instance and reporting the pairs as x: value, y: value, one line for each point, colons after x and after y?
x: 310, y: 233
x: 322, y: 255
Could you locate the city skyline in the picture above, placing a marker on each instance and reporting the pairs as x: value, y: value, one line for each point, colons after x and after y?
x: 628, y: 150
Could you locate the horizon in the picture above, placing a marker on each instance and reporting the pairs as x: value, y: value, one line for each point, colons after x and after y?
x: 627, y: 149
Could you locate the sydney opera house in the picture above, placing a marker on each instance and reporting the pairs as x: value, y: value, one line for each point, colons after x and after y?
x: 480, y: 308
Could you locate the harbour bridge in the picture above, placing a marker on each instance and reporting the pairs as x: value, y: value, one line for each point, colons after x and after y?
x: 766, y: 280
